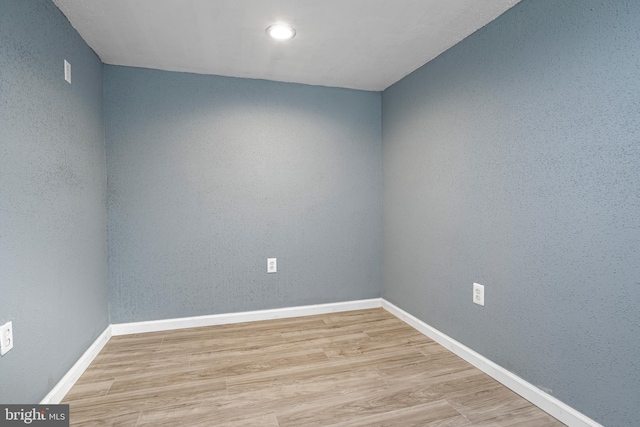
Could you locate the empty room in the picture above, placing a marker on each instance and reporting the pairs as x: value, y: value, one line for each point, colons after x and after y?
x: 331, y: 213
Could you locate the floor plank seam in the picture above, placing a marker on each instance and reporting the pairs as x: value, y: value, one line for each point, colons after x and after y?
x: 109, y: 388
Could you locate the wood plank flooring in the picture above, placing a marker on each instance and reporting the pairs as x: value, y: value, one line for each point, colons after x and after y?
x: 359, y: 368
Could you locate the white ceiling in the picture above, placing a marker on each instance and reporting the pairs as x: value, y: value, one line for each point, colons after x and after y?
x: 359, y: 44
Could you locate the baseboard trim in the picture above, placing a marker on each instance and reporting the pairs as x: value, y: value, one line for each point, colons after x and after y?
x: 247, y: 316
x: 541, y: 399
x: 554, y: 407
x: 60, y: 390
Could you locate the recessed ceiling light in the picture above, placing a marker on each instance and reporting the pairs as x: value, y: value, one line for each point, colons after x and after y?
x: 281, y: 32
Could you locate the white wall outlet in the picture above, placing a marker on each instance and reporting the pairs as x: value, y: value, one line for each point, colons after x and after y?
x: 6, y: 338
x: 67, y: 71
x: 478, y: 294
x: 272, y: 265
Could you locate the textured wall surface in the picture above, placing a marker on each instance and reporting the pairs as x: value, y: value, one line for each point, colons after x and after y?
x: 513, y: 160
x: 53, y: 252
x: 208, y: 176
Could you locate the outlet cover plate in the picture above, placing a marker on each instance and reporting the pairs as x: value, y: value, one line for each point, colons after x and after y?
x: 6, y: 338
x: 478, y: 294
x: 67, y: 71
x: 272, y: 265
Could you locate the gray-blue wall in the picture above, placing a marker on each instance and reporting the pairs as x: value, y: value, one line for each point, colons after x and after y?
x: 513, y: 160
x: 53, y: 251
x: 208, y: 176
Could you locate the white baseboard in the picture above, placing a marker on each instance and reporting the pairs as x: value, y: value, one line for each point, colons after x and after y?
x: 544, y: 401
x: 56, y: 395
x: 533, y: 394
x: 60, y: 390
x: 247, y: 316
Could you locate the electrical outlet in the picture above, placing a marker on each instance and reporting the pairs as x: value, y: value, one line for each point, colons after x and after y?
x: 67, y: 71
x: 6, y: 338
x: 478, y: 294
x: 272, y: 265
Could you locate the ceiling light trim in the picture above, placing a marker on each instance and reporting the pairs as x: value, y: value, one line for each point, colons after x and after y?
x: 281, y: 32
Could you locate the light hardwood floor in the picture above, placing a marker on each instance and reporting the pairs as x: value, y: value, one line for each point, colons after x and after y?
x: 359, y: 368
